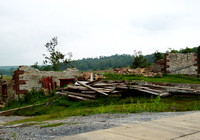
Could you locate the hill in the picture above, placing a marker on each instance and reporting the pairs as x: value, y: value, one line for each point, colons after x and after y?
x: 101, y: 63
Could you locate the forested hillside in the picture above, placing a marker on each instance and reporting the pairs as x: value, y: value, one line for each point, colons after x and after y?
x: 102, y: 62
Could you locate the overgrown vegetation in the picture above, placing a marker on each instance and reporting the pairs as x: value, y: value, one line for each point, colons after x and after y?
x: 32, y: 97
x: 55, y: 57
x: 139, y: 61
x: 157, y: 56
x: 133, y: 102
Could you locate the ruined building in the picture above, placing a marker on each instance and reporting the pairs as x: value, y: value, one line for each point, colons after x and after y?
x: 178, y: 63
x: 27, y: 78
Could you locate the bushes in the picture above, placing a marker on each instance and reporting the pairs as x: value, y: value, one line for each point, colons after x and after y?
x: 33, y: 96
x: 30, y: 97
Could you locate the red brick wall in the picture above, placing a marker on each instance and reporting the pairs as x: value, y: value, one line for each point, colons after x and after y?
x: 18, y: 82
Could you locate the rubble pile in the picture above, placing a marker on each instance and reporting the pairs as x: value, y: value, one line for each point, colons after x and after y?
x: 90, y: 76
x: 138, y: 71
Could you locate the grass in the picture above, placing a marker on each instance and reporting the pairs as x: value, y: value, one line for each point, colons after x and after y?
x: 7, y: 78
x: 167, y: 78
x: 64, y: 108
x: 31, y: 98
x: 51, y: 125
x: 131, y: 102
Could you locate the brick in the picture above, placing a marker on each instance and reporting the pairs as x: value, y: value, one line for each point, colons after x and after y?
x: 21, y: 91
x: 167, y: 66
x: 167, y: 71
x: 18, y: 72
x: 21, y: 82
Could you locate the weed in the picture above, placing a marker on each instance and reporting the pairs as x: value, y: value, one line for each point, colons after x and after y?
x: 64, y: 108
x: 14, y: 135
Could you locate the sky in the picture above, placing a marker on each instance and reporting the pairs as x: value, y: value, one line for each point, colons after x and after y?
x: 93, y: 28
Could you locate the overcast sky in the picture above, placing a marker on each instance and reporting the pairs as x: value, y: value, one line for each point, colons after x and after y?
x: 92, y: 28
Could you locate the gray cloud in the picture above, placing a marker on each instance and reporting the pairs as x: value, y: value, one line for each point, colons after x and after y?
x: 94, y: 28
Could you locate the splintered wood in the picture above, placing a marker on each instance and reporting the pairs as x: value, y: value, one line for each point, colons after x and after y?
x: 90, y: 90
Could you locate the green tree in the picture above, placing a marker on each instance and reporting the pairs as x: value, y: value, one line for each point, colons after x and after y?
x: 140, y: 61
x: 157, y: 56
x: 55, y: 57
x: 35, y: 65
x: 170, y: 50
x: 186, y: 50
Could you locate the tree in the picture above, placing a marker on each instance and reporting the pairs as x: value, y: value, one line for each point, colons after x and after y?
x: 35, y: 65
x: 186, y: 50
x: 170, y: 50
x: 55, y: 57
x: 157, y: 56
x: 140, y: 61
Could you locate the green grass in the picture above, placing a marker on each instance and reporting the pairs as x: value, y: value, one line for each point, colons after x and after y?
x: 7, y: 78
x: 65, y: 108
x: 31, y: 98
x: 131, y: 102
x: 167, y: 78
x: 51, y: 125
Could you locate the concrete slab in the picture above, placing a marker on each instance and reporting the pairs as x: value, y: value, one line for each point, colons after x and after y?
x: 179, y: 127
x: 98, y: 135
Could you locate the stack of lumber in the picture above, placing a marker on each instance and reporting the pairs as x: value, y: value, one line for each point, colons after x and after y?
x: 90, y: 90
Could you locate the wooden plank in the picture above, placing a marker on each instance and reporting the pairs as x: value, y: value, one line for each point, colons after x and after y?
x: 88, y: 92
x: 147, y: 88
x: 77, y: 87
x: 89, y: 87
x: 79, y: 94
x: 176, y: 89
x: 146, y: 91
x: 165, y: 94
x: 167, y: 87
x: 93, y: 82
x: 77, y: 97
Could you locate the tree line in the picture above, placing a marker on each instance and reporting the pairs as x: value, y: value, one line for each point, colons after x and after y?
x: 57, y: 61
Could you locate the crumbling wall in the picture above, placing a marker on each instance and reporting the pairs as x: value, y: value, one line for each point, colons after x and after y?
x: 159, y: 66
x: 11, y: 93
x: 28, y: 78
x: 181, y: 63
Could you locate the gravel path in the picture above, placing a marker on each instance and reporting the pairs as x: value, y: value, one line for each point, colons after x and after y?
x: 75, y: 125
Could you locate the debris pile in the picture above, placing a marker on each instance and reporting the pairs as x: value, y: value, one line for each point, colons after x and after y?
x: 84, y: 90
x: 138, y: 71
x: 90, y: 76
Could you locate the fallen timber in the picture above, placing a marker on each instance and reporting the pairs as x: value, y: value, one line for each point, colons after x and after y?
x: 89, y: 91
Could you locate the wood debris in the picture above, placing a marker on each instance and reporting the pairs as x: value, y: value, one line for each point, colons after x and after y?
x: 91, y: 90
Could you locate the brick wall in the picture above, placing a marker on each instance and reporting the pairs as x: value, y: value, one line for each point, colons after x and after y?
x: 27, y: 78
x: 181, y: 63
